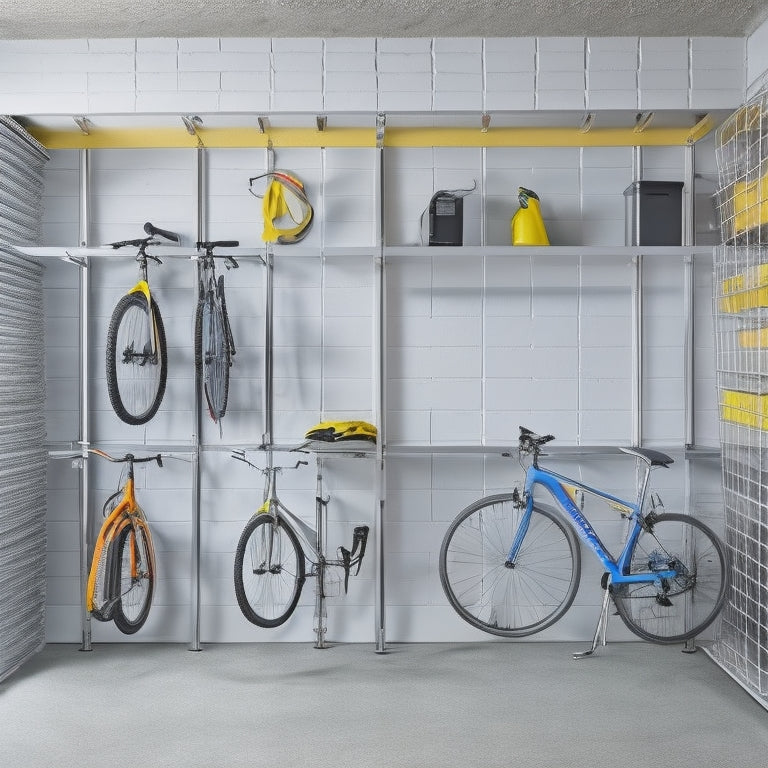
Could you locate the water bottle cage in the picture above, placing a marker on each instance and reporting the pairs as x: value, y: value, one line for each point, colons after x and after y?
x: 353, y: 558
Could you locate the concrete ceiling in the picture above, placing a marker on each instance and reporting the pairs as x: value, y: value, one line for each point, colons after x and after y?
x: 45, y: 19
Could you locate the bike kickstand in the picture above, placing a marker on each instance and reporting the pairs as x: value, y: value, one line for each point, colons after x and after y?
x: 601, y: 628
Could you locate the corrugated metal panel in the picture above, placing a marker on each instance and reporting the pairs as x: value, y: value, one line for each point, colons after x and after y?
x: 23, y: 458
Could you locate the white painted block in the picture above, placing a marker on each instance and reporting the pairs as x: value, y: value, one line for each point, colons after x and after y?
x: 281, y: 45
x: 199, y: 81
x: 458, y: 63
x: 597, y: 99
x: 45, y: 103
x: 455, y: 427
x: 556, y: 99
x: 668, y: 60
x: 457, y: 100
x: 717, y: 79
x: 350, y: 45
x: 457, y: 45
x: 403, y: 62
x: 513, y: 100
x: 106, y: 45
x: 523, y: 60
x: 510, y: 81
x: 656, y: 99
x: 154, y: 61
x: 397, y: 101
x: 111, y: 102
x: 298, y: 81
x: 401, y: 81
x: 547, y: 44
x: 199, y: 44
x: 560, y: 81
x: 612, y: 80
x: 246, y: 44
x: 663, y: 80
x: 342, y: 101
x: 610, y: 44
x: 245, y: 81
x: 395, y: 45
x: 560, y: 61
x: 297, y: 101
x: 44, y: 46
x: 716, y: 99
x: 297, y: 61
x: 156, y: 81
x: 452, y: 81
x: 364, y: 61
x: 610, y: 60
x: 157, y: 44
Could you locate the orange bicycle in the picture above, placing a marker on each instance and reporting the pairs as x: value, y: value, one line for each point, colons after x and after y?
x: 122, y: 577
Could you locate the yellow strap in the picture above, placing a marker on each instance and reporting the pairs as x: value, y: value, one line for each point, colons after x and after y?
x: 279, y: 201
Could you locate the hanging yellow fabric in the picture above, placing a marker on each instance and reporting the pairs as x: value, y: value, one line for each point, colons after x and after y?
x: 286, y: 208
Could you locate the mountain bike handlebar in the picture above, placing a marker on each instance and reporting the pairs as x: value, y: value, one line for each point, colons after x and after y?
x: 240, y: 456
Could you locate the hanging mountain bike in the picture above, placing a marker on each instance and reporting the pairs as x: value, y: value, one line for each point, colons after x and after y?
x: 214, y: 346
x: 137, y: 355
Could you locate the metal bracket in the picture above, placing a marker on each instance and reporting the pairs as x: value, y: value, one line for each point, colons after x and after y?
x: 381, y: 120
x: 78, y: 261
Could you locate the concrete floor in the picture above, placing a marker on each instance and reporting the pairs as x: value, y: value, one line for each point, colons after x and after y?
x: 488, y: 705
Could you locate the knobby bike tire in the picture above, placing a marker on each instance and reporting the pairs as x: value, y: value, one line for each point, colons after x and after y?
x: 212, y: 355
x: 691, y: 601
x: 134, y: 592
x: 504, y: 601
x: 268, y: 592
x: 135, y: 398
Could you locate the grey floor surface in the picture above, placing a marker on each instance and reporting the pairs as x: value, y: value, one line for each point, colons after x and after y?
x: 422, y: 705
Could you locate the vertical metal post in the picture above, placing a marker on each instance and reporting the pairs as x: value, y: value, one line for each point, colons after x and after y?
x: 637, y: 313
x: 84, y: 287
x: 689, y: 297
x: 269, y: 289
x: 320, y: 526
x: 689, y: 286
x: 379, y: 395
x: 637, y: 352
x: 194, y: 644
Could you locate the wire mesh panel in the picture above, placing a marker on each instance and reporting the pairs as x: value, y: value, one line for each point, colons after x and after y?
x: 741, y: 328
x: 23, y: 457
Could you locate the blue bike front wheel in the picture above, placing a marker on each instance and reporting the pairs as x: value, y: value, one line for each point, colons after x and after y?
x: 494, y: 597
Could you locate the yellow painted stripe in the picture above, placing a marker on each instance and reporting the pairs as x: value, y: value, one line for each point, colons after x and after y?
x: 133, y: 138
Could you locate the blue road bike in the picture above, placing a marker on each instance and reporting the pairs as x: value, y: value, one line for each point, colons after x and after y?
x: 510, y: 565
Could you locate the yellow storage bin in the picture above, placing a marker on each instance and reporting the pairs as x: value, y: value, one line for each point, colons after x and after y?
x: 746, y: 290
x: 744, y: 408
x: 750, y: 204
x: 753, y: 338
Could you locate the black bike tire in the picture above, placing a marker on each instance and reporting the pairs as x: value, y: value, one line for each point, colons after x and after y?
x: 208, y: 304
x: 122, y: 622
x: 532, y: 628
x: 225, y: 314
x: 240, y: 588
x: 624, y: 603
x: 113, y: 388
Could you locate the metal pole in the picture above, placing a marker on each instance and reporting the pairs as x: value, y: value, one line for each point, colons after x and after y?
x: 320, y: 525
x: 269, y: 287
x: 85, y: 616
x: 637, y: 352
x: 198, y: 426
x: 689, y: 309
x: 379, y: 404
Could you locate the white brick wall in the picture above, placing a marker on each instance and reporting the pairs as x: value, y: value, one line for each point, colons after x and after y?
x: 385, y: 74
x: 476, y: 346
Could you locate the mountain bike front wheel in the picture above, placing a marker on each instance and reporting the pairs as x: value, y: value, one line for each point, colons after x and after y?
x: 509, y: 601
x: 269, y: 571
x: 137, y: 359
x: 676, y: 609
x: 135, y: 559
x: 212, y: 355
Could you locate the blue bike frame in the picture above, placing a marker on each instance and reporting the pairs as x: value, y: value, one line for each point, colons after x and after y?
x: 618, y: 569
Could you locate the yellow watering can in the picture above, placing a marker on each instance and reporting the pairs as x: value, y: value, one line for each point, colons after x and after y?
x: 527, y: 224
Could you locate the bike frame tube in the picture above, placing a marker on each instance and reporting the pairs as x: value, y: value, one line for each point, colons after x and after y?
x: 554, y: 484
